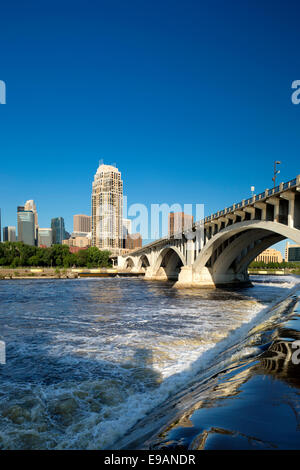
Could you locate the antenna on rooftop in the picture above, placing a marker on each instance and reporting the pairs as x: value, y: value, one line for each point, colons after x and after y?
x: 101, y: 161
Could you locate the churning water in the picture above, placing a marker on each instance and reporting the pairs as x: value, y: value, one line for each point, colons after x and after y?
x: 87, y: 358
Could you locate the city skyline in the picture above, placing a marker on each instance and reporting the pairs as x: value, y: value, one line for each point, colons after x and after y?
x: 84, y: 219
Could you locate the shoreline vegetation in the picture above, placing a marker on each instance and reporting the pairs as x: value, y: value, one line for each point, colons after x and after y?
x: 18, y: 260
x: 259, y: 267
x: 18, y: 255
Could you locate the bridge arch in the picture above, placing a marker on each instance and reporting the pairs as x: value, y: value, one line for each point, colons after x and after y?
x: 228, y: 254
x: 143, y: 262
x: 168, y: 263
x: 129, y: 263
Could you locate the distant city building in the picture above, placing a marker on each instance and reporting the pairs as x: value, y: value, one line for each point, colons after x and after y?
x: 67, y: 235
x: 107, y: 209
x: 292, y: 252
x: 270, y: 256
x: 26, y: 227
x: 81, y: 234
x: 44, y: 237
x: 82, y: 223
x: 58, y: 230
x: 134, y: 241
x: 30, y: 206
x: 75, y: 249
x: 126, y: 227
x: 126, y: 230
x: 179, y: 221
x: 9, y: 234
x: 79, y: 242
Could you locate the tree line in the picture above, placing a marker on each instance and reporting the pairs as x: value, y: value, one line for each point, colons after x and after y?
x: 283, y: 264
x: 17, y: 254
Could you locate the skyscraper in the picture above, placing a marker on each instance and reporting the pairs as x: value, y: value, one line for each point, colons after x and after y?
x: 58, y: 230
x: 82, y: 223
x: 30, y: 206
x: 107, y: 209
x: 26, y: 227
x: 292, y: 252
x: 178, y: 222
x: 9, y: 234
x: 126, y: 227
x: 133, y: 241
x: 126, y: 230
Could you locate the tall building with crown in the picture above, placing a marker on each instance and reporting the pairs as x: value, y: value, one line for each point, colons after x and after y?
x: 107, y: 209
x: 31, y: 206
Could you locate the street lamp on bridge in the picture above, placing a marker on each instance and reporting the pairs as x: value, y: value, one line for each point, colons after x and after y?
x: 276, y: 172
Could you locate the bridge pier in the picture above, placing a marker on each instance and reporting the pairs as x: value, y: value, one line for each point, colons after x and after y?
x: 189, y: 278
x: 204, y: 278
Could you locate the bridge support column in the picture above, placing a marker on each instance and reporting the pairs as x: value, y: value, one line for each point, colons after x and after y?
x: 263, y: 207
x: 291, y: 212
x: 189, y: 278
x: 121, y: 262
x: 216, y: 227
x: 290, y: 196
x: 251, y: 210
x: 190, y: 251
x: 231, y: 217
x: 275, y: 202
x: 241, y: 214
x: 149, y: 273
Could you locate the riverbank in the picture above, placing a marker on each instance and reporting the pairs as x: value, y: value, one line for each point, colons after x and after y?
x: 276, y: 272
x: 62, y: 273
x: 74, y: 273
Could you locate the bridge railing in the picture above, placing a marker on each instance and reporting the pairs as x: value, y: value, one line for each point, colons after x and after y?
x: 251, y: 200
x: 260, y: 196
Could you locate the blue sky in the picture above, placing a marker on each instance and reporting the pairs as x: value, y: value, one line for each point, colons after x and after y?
x: 190, y: 99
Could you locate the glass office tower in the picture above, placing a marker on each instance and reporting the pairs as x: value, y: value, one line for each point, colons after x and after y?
x: 26, y: 227
x: 58, y: 230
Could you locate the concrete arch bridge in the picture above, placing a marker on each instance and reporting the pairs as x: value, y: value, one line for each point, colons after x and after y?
x: 218, y: 250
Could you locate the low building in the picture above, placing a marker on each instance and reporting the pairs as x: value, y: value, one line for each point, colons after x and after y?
x: 75, y: 249
x: 44, y: 237
x: 81, y: 234
x: 79, y: 242
x: 269, y: 256
x: 292, y: 252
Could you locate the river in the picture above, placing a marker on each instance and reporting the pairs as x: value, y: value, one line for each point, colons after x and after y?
x: 86, y: 359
